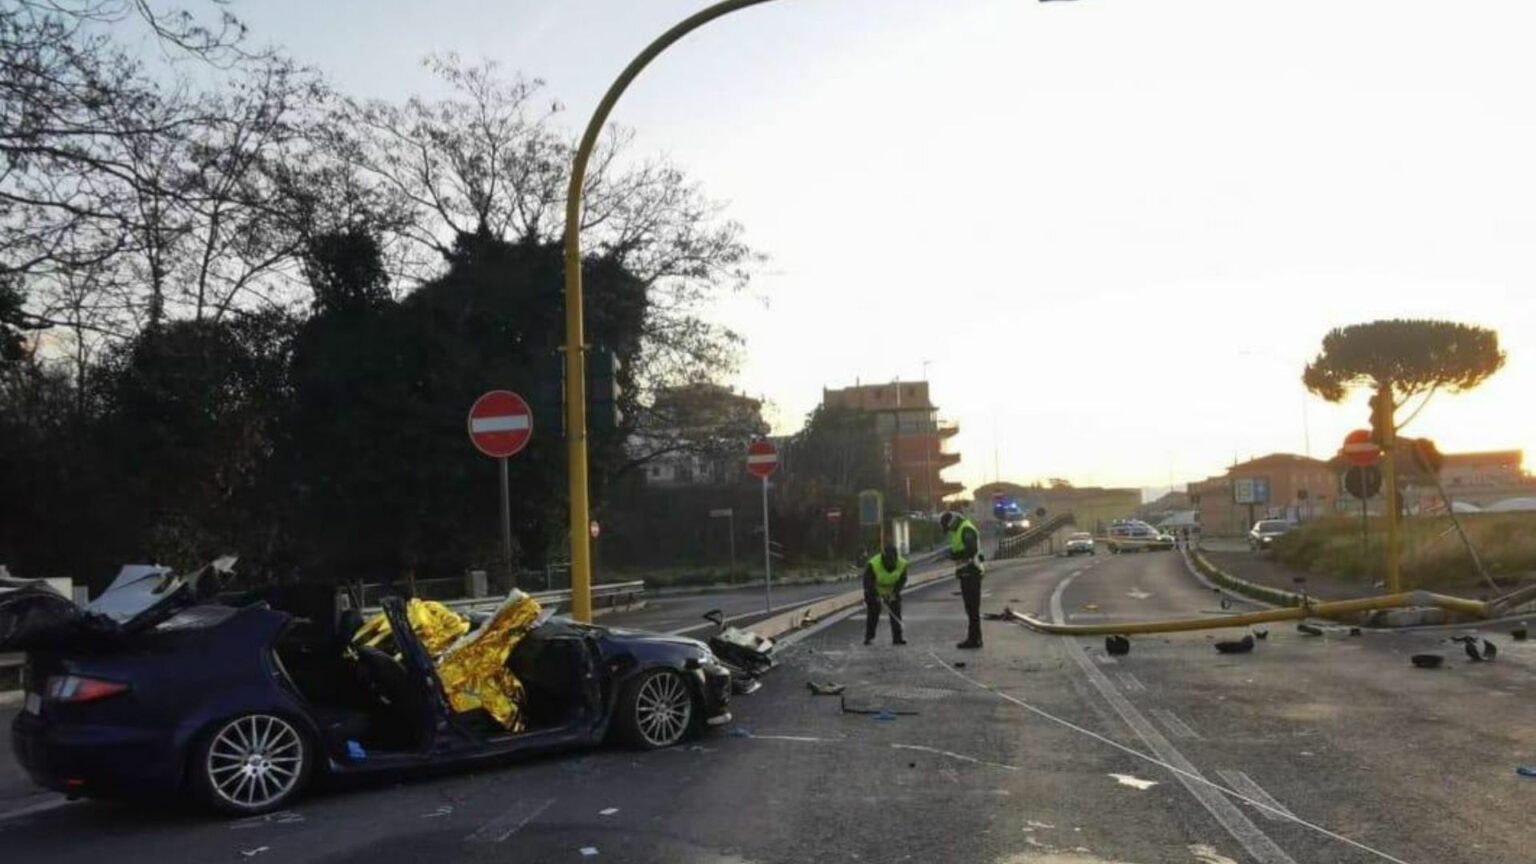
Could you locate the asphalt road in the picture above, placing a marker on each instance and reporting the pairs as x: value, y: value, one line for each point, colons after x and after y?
x: 1041, y: 749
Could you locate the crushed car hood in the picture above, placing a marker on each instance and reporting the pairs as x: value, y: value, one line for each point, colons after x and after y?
x: 33, y: 615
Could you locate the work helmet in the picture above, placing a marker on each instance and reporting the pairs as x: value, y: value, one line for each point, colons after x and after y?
x: 888, y: 557
x: 949, y: 520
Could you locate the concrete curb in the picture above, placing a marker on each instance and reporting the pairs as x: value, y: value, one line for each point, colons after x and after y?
x: 1262, y: 593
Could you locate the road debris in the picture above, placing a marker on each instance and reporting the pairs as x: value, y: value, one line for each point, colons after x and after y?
x: 1262, y: 634
x: 850, y: 709
x: 1309, y: 629
x: 1117, y: 646
x: 1521, y: 633
x: 1235, y: 646
x: 1526, y: 771
x: 885, y: 714
x: 282, y: 817
x: 1005, y: 615
x: 825, y: 689
x: 962, y: 758
x: 588, y: 851
x: 252, y: 853
x: 1428, y: 661
x: 959, y: 664
x: 1090, y: 607
x: 607, y: 811
x: 1476, y: 653
x: 1356, y: 631
x: 444, y: 810
x: 1133, y: 781
x: 1137, y: 594
x: 738, y: 732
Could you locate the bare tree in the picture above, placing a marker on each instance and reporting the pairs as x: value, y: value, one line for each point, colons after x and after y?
x: 491, y: 160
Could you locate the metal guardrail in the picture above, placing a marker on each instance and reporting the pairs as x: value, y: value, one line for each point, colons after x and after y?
x: 1017, y: 545
x: 610, y: 596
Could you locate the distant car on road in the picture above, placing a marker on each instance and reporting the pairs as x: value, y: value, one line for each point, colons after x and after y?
x: 1266, y: 530
x: 1080, y: 543
x: 1015, y: 525
x: 155, y: 689
x: 1134, y: 535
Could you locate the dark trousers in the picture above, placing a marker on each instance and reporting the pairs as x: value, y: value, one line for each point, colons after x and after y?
x: 872, y: 616
x: 970, y: 594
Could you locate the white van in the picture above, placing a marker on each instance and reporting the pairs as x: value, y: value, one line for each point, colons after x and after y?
x: 1134, y: 535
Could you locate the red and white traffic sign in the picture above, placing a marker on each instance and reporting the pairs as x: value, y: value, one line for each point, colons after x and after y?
x: 500, y: 424
x: 762, y: 459
x: 1360, y: 449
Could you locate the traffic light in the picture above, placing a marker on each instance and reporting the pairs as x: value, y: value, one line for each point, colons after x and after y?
x: 547, y: 398
x: 1381, y: 417
x: 603, y: 390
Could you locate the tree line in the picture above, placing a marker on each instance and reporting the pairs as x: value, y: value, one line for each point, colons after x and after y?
x: 242, y: 311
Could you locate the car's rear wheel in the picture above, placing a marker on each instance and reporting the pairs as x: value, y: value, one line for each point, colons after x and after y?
x: 253, y: 763
x: 658, y: 710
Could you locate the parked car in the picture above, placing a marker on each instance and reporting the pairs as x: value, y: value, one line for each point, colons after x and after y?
x: 1265, y: 531
x: 1080, y: 543
x: 156, y: 689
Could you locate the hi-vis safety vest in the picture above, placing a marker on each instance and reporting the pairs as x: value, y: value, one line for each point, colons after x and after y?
x: 885, y: 580
x: 957, y: 543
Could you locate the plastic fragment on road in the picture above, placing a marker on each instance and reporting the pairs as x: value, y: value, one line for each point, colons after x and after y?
x: 1309, y: 629
x: 252, y: 853
x: 356, y: 751
x: 1262, y: 634
x: 1427, y: 661
x: 842, y: 703
x: 825, y: 689
x: 1526, y: 770
x: 1117, y: 646
x: 1133, y: 781
x: 607, y: 811
x: 738, y: 732
x: 1235, y: 646
x: 588, y: 851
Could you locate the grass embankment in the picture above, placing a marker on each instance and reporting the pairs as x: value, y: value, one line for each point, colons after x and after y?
x: 1430, y: 552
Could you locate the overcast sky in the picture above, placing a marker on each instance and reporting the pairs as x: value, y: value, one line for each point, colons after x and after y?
x: 1117, y: 228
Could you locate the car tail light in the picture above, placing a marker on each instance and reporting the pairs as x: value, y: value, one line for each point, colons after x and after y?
x: 79, y: 688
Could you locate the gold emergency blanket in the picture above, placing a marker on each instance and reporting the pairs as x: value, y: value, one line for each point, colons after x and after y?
x: 474, y: 670
x: 435, y: 625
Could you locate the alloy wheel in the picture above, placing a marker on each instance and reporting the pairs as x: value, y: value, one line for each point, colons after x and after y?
x: 255, y: 761
x: 663, y: 709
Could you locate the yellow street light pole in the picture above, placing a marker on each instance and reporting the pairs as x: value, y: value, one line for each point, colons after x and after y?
x: 575, y: 345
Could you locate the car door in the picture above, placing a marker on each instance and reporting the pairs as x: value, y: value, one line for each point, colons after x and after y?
x: 436, y: 717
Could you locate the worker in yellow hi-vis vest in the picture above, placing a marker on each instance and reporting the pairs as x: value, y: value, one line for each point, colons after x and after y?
x: 965, y: 551
x: 885, y: 575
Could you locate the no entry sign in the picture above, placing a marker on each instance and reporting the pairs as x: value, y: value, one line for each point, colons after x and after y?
x: 762, y: 459
x: 500, y: 424
x: 1360, y: 449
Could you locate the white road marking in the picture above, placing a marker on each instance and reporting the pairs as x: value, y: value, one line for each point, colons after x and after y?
x: 509, y: 822
x: 1259, y: 845
x: 1137, y: 594
x: 960, y: 756
x: 1173, y: 724
x: 1130, y: 682
x: 40, y: 807
x: 1246, y: 785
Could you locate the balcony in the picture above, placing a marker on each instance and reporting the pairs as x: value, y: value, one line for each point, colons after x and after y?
x: 944, y: 460
x: 947, y: 428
